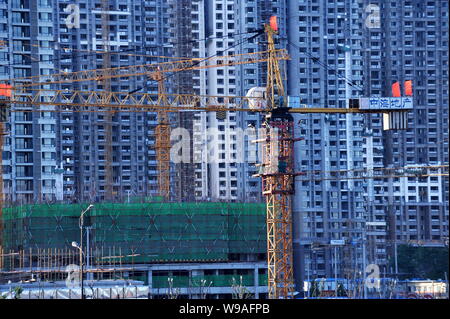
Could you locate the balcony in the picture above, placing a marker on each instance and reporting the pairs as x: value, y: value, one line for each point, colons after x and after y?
x: 47, y: 134
x: 48, y: 190
x: 21, y: 190
x: 47, y: 120
x: 23, y: 177
x: 24, y: 147
x: 48, y: 162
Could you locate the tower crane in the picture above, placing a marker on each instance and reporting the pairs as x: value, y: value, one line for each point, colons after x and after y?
x: 181, y: 64
x: 278, y: 177
x: 162, y: 133
x: 109, y: 114
x: 277, y: 169
x: 156, y: 71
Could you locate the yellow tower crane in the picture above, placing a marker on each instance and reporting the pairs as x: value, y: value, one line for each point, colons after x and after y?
x: 156, y: 71
x: 109, y: 114
x: 163, y: 145
x: 278, y: 177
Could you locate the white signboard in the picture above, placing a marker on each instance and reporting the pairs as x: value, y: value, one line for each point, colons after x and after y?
x: 386, y: 103
x: 337, y: 242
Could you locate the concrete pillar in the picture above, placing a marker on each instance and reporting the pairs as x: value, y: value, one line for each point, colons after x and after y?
x: 150, y: 279
x: 256, y: 281
x: 196, y: 287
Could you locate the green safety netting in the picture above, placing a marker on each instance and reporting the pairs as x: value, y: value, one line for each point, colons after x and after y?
x: 143, y: 232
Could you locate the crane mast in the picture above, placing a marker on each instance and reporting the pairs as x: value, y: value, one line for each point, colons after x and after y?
x: 106, y: 86
x: 162, y: 133
x: 278, y: 177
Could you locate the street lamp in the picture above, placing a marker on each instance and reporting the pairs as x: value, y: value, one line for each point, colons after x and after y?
x: 80, y: 247
x: 83, y: 212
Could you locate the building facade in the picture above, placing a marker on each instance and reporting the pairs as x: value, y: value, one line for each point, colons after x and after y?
x: 325, y: 70
x: 62, y: 156
x: 409, y: 41
x: 30, y: 151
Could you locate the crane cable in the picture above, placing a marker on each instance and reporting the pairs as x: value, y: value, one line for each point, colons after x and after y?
x: 326, y: 66
x: 94, y: 52
x: 203, y: 60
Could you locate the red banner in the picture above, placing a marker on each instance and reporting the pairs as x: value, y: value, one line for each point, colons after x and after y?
x: 273, y: 23
x: 396, y: 90
x: 5, y: 90
x: 408, y: 88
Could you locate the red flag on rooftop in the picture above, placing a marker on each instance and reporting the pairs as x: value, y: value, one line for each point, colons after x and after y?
x: 396, y: 90
x: 273, y: 23
x: 408, y: 88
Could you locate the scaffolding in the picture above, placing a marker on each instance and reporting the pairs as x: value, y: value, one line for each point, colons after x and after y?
x: 140, y: 232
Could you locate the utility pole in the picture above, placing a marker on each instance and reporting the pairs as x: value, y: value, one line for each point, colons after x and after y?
x: 335, y: 271
x: 81, y: 224
x: 364, y: 264
x: 395, y: 256
x: 81, y: 256
x: 446, y: 284
x: 88, y: 249
x: 308, y: 286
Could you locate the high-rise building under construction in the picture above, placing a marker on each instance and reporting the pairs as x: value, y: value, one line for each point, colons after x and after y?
x: 389, y: 42
x: 325, y: 44
x: 62, y: 156
x: 408, y: 41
